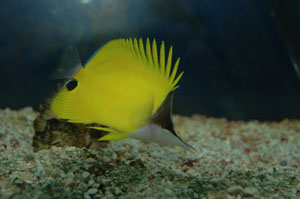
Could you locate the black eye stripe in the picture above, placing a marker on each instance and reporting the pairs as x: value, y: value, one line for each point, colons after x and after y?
x: 72, y: 84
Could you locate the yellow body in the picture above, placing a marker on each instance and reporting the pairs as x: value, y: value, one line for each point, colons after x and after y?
x: 121, y: 87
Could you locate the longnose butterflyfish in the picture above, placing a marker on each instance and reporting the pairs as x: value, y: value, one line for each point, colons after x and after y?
x: 127, y: 89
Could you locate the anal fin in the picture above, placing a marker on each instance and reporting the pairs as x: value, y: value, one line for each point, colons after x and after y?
x: 112, y: 135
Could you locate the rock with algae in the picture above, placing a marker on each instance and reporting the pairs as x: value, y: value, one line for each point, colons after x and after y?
x: 50, y: 131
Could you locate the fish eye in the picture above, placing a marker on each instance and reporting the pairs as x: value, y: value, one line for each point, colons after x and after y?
x: 71, y: 84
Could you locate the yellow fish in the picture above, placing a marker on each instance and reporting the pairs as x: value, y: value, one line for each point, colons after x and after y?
x: 127, y: 89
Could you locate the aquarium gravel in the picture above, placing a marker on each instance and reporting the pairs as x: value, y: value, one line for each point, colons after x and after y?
x: 234, y: 159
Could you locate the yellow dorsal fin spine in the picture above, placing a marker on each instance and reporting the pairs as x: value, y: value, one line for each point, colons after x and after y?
x: 177, y: 80
x: 174, y: 70
x: 162, y: 58
x: 148, y: 52
x: 130, y: 45
x: 169, y: 62
x: 142, y: 50
x: 149, y: 56
x: 154, y: 54
x: 136, y: 48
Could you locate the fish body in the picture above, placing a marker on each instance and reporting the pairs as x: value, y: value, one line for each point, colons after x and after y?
x: 124, y: 87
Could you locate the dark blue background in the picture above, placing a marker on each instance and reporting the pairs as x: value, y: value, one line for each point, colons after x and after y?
x: 239, y: 57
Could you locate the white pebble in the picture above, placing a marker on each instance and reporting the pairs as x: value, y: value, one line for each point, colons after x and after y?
x: 168, y: 191
x: 117, y: 191
x: 106, y: 159
x: 250, y: 191
x: 235, y: 190
x: 70, y: 175
x: 85, y: 175
x: 92, y: 191
x: 90, y: 160
x: 91, y: 182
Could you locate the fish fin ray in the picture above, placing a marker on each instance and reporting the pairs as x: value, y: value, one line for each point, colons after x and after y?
x: 132, y: 51
x: 112, y: 135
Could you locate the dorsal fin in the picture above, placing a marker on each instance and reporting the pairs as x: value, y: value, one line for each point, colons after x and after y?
x: 133, y: 51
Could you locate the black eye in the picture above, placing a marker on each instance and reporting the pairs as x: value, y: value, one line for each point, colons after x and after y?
x: 71, y: 84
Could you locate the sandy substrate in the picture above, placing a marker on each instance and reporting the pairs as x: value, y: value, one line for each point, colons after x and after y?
x: 232, y: 160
